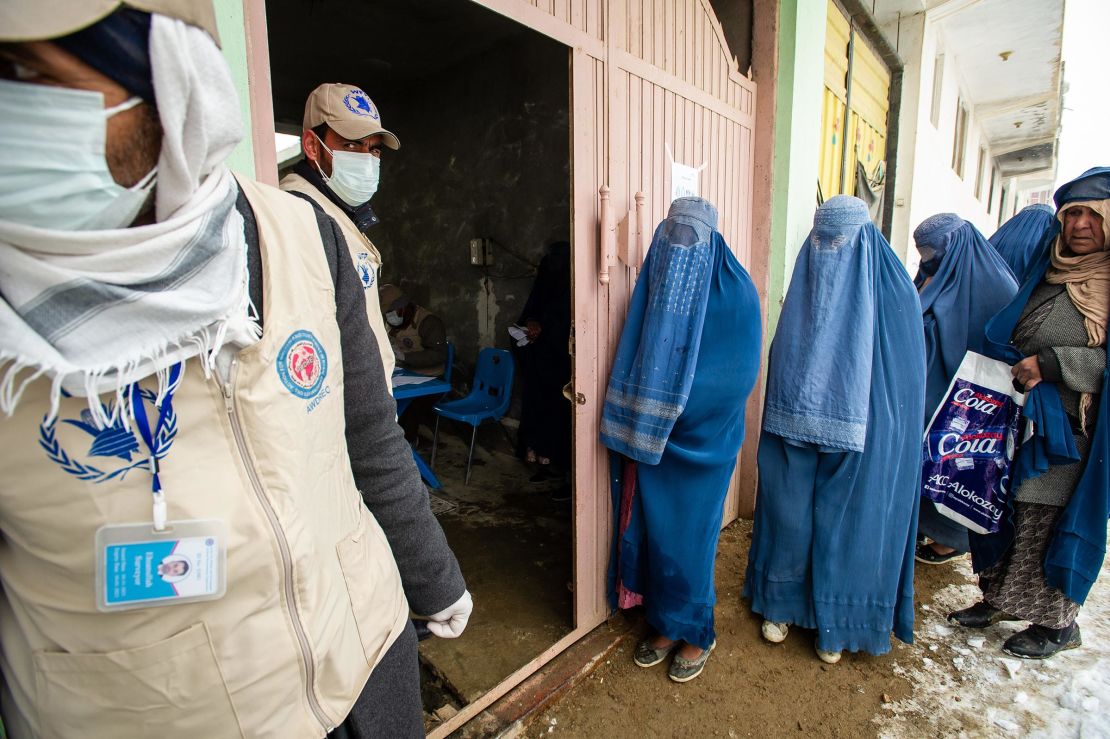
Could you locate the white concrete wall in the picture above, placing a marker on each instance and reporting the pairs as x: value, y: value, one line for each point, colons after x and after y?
x: 926, y: 183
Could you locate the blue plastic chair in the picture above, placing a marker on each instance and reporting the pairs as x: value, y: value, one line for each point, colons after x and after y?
x: 450, y: 361
x: 489, y: 398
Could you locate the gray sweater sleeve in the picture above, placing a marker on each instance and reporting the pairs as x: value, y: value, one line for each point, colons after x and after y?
x: 380, y: 458
x: 1081, y: 367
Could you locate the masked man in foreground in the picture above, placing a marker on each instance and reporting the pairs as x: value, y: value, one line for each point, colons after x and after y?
x: 187, y: 380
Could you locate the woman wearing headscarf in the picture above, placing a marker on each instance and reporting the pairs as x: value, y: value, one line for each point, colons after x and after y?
x: 1041, y: 565
x: 840, y: 453
x: 674, y: 417
x: 1019, y: 238
x: 963, y: 283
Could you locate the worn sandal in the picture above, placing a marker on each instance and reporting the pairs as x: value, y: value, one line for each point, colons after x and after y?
x: 685, y: 670
x: 649, y: 656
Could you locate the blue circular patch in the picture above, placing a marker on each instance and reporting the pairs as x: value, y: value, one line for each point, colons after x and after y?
x: 358, y: 103
x: 302, y: 364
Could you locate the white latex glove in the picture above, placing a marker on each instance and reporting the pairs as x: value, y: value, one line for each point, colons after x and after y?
x: 450, y: 622
x: 399, y: 355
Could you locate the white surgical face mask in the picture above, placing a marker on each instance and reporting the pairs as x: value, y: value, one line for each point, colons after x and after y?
x: 393, y: 318
x: 53, y: 173
x: 354, y: 176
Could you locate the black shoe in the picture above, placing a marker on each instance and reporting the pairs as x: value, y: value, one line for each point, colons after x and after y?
x: 1041, y: 642
x: 927, y: 555
x: 979, y: 616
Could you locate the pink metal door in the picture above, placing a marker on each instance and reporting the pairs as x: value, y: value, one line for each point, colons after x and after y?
x: 664, y: 89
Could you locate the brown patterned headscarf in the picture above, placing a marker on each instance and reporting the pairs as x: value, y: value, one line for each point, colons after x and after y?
x: 1087, y: 276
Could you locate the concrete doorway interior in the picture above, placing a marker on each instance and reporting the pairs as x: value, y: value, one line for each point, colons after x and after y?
x: 480, y: 104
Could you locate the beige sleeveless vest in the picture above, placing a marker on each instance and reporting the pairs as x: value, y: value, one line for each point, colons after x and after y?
x: 313, y: 598
x: 365, y: 256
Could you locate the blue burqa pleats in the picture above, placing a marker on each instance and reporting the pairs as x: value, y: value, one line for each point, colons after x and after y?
x: 832, y: 548
x: 668, y: 550
x: 653, y: 370
x: 1078, y: 546
x: 970, y: 285
x: 1018, y: 239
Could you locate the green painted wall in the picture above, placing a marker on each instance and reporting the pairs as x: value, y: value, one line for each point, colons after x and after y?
x: 801, y: 70
x: 231, y: 25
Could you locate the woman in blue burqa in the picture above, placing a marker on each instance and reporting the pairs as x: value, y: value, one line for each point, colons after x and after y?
x: 963, y: 282
x: 1041, y: 565
x: 1019, y: 238
x: 687, y: 361
x: 840, y: 454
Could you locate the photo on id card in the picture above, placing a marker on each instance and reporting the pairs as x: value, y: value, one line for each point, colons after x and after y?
x: 138, y: 567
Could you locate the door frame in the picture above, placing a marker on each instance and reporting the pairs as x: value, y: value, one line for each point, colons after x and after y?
x: 599, y: 307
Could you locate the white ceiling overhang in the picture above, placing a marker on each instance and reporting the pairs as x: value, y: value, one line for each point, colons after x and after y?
x: 1008, y: 56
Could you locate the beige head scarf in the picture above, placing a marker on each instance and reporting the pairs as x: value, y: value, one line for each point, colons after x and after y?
x: 1086, y: 277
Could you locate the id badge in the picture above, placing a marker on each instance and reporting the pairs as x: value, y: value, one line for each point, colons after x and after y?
x: 140, y: 567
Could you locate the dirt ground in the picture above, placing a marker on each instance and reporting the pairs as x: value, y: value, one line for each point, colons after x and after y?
x: 750, y: 687
x: 513, y: 541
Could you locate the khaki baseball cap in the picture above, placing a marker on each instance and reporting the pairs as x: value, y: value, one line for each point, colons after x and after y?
x: 391, y: 297
x: 39, y: 20
x: 348, y: 111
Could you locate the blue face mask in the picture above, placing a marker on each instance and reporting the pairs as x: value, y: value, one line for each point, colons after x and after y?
x: 53, y: 173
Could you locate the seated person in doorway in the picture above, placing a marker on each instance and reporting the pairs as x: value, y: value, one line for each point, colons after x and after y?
x: 544, y: 363
x: 418, y: 336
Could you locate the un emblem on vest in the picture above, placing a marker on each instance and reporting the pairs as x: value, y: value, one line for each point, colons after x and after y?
x: 107, y: 453
x: 302, y: 364
x: 365, y: 269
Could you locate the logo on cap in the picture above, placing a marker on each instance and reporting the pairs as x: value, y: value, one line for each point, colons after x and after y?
x: 358, y: 103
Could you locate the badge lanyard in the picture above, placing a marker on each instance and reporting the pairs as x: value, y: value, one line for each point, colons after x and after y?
x: 180, y: 562
x: 165, y: 411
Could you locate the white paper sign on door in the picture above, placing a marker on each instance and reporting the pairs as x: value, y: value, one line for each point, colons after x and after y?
x: 684, y: 181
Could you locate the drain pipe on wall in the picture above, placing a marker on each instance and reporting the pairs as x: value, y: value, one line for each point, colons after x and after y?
x: 847, y: 106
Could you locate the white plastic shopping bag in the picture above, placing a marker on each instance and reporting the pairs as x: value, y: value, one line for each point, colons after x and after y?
x: 969, y: 444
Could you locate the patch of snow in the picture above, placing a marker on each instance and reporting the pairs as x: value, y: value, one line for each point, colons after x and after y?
x: 1065, y: 696
x: 1013, y: 666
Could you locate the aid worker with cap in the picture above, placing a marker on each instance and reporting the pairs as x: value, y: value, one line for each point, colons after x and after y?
x: 342, y: 142
x: 186, y: 368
